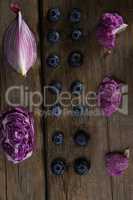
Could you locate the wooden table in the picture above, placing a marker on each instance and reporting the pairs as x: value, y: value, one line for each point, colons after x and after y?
x: 33, y: 180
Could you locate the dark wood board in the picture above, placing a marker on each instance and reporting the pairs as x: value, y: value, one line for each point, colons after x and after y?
x: 120, y: 125
x: 33, y: 179
x: 71, y: 186
x: 24, y: 181
x: 106, y: 134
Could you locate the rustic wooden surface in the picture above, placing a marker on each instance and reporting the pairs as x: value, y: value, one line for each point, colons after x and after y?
x: 27, y: 180
x: 33, y: 179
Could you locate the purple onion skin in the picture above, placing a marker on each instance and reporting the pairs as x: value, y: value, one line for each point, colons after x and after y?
x: 108, y: 23
x: 20, y: 48
x: 17, y: 134
x: 116, y: 164
x: 109, y: 96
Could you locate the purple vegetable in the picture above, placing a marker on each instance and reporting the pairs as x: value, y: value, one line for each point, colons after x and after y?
x: 109, y: 96
x: 105, y: 37
x: 20, y: 48
x: 110, y: 24
x: 111, y: 20
x: 17, y: 134
x: 116, y: 164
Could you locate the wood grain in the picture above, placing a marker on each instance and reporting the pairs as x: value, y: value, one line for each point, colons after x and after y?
x: 27, y: 180
x: 72, y: 186
x: 33, y: 179
x: 120, y: 125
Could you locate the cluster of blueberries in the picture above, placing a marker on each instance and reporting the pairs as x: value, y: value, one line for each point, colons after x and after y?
x: 76, y: 88
x: 81, y: 165
x: 75, y: 58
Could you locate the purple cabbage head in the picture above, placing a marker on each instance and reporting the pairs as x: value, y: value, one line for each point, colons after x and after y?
x: 109, y: 96
x: 108, y: 23
x: 17, y: 134
x: 116, y: 164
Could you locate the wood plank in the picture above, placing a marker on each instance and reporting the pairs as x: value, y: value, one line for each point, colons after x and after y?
x: 25, y: 181
x: 120, y: 125
x: 72, y: 186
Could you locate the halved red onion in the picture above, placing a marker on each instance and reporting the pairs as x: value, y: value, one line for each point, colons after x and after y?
x: 20, y: 47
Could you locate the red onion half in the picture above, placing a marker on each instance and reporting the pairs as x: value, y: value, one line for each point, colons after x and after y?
x: 20, y: 47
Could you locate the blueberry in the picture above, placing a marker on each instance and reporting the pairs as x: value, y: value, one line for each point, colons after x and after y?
x: 82, y: 166
x: 81, y: 138
x: 53, y: 61
x: 75, y: 59
x: 79, y: 110
x: 58, y: 138
x: 77, y: 87
x: 58, y: 167
x: 55, y: 87
x: 56, y: 110
x: 75, y: 15
x: 76, y: 35
x: 53, y: 36
x: 54, y: 14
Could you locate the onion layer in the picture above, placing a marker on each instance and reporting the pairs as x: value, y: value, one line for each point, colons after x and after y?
x: 20, y: 47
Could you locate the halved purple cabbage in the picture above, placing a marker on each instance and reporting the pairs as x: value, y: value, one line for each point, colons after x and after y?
x: 17, y: 134
x: 109, y: 22
x: 116, y: 164
x: 109, y: 96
